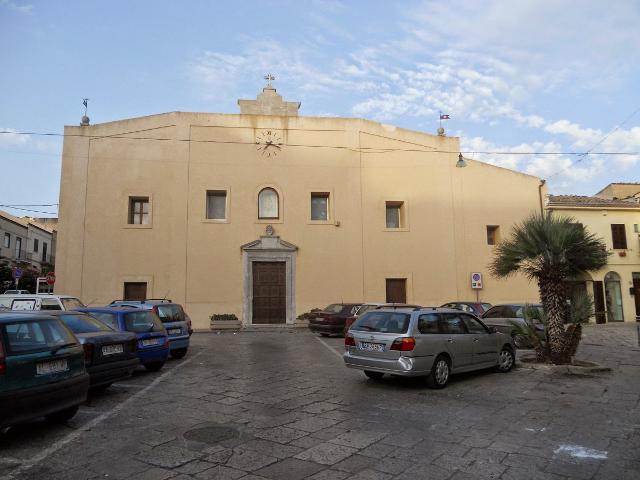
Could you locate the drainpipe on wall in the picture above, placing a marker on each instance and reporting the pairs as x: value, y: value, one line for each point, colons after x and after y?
x: 542, y: 183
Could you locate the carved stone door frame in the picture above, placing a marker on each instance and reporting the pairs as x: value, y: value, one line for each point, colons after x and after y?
x: 269, y: 248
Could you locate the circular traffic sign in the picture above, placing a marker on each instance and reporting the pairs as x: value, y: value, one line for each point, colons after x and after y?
x: 16, y: 273
x: 51, y: 278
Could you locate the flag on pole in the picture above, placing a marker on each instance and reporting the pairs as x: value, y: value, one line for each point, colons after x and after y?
x: 84, y: 102
x: 444, y: 116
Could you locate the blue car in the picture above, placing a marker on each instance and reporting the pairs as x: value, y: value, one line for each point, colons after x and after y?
x: 174, y: 318
x: 42, y: 369
x: 153, y: 342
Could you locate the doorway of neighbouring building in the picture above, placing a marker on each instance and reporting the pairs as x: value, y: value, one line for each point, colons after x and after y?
x: 269, y: 292
x: 135, y: 290
x: 636, y: 292
x: 396, y: 290
x: 613, y: 293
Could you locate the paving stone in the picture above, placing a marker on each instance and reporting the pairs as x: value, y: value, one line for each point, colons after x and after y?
x: 582, y: 470
x: 312, y: 424
x: 280, y: 434
x: 220, y: 473
x: 370, y: 475
x: 271, y: 448
x: 326, y: 453
x: 358, y: 439
x: 249, y: 460
x: 154, y: 474
x: 194, y: 467
x: 485, y: 469
x: 219, y: 455
x: 378, y: 450
x: 425, y: 472
x: 486, y: 455
x: 330, y: 475
x: 392, y: 465
x: 320, y: 407
x: 168, y: 456
x: 306, y: 442
x: 290, y: 469
x: 353, y: 464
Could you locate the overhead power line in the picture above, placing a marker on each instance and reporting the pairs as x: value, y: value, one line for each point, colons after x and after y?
x: 360, y: 149
x: 28, y: 210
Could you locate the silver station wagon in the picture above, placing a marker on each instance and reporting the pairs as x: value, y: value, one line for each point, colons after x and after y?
x: 430, y: 342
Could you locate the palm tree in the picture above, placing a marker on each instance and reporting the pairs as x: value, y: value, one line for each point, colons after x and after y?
x: 549, y: 249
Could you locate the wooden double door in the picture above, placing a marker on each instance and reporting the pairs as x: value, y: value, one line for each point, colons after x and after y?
x: 269, y: 292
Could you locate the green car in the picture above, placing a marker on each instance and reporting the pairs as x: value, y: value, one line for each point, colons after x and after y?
x: 42, y: 369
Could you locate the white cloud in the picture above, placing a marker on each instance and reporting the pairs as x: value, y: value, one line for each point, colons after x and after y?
x: 13, y: 138
x: 24, y: 8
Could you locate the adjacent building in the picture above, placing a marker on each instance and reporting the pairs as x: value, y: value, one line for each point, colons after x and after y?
x: 613, y: 214
x: 267, y: 214
x: 26, y: 241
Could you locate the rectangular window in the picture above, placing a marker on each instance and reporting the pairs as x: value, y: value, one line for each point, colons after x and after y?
x: 635, y: 228
x: 216, y: 204
x: 492, y: 234
x: 135, y: 290
x: 138, y: 210
x: 394, y: 214
x: 44, y: 252
x: 35, y: 244
x: 7, y: 240
x: 18, y: 247
x: 619, y: 236
x: 320, y: 206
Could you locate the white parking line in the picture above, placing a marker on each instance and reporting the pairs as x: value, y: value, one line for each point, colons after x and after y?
x: 333, y: 350
x: 92, y: 424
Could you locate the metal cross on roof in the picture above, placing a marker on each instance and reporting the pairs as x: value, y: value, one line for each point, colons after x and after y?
x: 269, y: 77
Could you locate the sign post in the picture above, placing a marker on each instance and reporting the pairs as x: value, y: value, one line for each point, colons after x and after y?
x: 476, y: 283
x: 16, y: 274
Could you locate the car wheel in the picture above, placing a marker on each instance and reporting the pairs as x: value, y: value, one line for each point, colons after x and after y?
x: 440, y: 373
x: 153, y: 366
x: 62, y: 416
x: 178, y: 353
x: 373, y: 375
x: 506, y: 360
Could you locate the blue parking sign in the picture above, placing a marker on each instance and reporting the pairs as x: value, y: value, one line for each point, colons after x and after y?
x: 17, y: 273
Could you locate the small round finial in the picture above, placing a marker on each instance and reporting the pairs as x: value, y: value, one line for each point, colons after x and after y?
x: 84, y: 121
x: 441, y: 131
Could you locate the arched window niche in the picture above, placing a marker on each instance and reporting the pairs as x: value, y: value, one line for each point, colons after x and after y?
x: 613, y: 294
x: 268, y: 204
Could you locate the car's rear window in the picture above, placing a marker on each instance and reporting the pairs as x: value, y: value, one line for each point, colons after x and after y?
x: 37, y: 336
x: 142, y: 321
x: 382, y: 322
x: 72, y: 303
x: 170, y: 313
x: 50, y: 304
x: 82, y: 323
x: 108, y: 318
x: 334, y: 308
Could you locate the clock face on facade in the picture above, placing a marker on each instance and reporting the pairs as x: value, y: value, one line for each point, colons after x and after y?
x: 268, y: 143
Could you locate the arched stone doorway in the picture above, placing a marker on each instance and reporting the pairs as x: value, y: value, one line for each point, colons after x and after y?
x: 613, y: 294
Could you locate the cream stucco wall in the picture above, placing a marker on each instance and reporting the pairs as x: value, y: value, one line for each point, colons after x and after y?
x: 623, y: 262
x: 175, y: 158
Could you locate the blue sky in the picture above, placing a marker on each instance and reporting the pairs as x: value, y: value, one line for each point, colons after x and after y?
x: 516, y: 77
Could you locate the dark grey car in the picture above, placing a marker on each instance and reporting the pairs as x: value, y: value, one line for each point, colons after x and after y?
x: 434, y: 343
x: 502, y: 317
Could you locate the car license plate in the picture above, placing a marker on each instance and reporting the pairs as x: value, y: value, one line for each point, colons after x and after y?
x: 55, y: 366
x: 372, y: 347
x: 112, y: 349
x: 150, y: 341
x: 174, y: 331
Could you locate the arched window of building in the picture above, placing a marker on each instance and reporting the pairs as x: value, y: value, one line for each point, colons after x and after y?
x: 268, y: 204
x: 613, y: 293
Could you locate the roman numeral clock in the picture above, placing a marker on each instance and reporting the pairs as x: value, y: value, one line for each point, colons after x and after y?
x: 268, y: 143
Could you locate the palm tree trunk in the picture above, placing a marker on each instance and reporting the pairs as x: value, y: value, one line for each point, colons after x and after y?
x: 554, y: 300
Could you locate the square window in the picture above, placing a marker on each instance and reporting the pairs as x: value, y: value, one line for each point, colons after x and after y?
x: 138, y: 210
x: 320, y: 206
x: 492, y: 234
x: 216, y: 204
x: 7, y: 240
x: 394, y: 214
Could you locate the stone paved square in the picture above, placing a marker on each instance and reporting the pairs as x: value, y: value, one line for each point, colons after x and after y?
x: 280, y: 405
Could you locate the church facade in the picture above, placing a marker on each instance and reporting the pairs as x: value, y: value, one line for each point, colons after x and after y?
x: 267, y: 214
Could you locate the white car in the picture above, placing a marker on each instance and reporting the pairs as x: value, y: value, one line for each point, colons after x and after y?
x: 40, y: 301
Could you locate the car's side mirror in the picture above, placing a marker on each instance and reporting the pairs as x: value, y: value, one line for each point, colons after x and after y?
x: 493, y: 330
